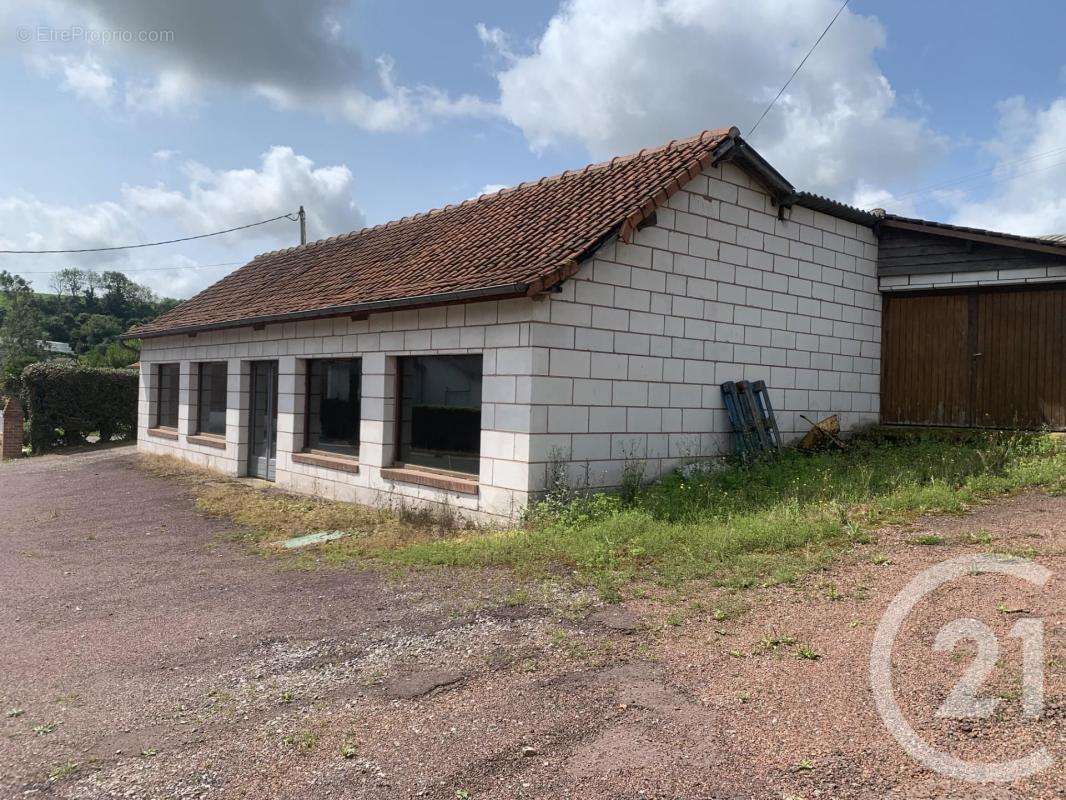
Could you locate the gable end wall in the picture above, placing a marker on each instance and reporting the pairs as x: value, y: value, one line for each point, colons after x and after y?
x: 629, y: 363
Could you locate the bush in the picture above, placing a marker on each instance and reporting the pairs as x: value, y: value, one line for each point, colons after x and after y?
x: 64, y: 401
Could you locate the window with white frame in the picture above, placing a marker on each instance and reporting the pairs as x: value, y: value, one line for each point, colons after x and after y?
x: 211, y: 398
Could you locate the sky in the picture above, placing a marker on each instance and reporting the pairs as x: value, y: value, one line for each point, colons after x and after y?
x: 130, y: 121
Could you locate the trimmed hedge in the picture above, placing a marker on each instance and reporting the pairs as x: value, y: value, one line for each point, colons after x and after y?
x: 64, y: 401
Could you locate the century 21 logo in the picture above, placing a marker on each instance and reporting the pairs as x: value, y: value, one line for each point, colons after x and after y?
x: 962, y: 702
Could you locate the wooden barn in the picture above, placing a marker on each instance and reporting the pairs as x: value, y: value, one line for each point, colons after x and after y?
x: 973, y: 326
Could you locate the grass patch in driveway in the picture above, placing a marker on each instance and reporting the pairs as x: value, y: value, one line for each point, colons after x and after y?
x: 763, y: 523
x: 266, y: 517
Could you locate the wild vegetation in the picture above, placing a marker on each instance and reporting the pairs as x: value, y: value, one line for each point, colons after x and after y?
x: 88, y: 311
x: 765, y: 522
x: 739, y: 525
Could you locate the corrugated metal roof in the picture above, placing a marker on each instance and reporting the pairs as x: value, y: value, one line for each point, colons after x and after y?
x: 817, y: 202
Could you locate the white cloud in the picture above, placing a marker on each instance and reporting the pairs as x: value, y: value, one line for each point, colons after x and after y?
x: 217, y: 199
x: 295, y: 55
x: 82, y: 76
x: 169, y: 92
x: 164, y: 154
x: 30, y: 224
x: 490, y: 188
x: 617, y: 75
x: 870, y: 197
x: 498, y: 40
x: 211, y: 200
x: 88, y: 81
x: 396, y: 108
x: 1026, y: 191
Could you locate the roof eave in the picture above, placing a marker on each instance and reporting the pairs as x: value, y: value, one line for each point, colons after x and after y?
x: 632, y: 221
x: 826, y: 205
x: 973, y: 234
x: 423, y: 301
x: 739, y: 150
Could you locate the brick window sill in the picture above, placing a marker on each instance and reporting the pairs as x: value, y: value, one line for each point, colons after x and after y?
x: 428, y: 477
x: 337, y: 462
x: 164, y: 433
x: 207, y: 440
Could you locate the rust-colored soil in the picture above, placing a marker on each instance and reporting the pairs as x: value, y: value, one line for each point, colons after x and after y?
x: 157, y: 658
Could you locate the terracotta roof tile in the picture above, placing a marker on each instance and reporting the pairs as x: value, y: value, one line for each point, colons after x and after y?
x: 518, y: 240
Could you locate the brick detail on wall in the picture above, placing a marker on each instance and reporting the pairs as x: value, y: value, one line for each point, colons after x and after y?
x: 11, y: 431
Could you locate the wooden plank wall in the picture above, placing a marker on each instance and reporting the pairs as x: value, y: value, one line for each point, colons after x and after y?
x: 990, y: 358
x: 902, y: 252
x: 925, y: 366
x: 1021, y: 372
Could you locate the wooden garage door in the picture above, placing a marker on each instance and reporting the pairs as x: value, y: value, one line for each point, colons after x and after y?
x: 990, y: 358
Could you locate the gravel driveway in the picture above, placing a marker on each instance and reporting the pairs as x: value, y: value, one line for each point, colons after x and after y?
x: 147, y: 653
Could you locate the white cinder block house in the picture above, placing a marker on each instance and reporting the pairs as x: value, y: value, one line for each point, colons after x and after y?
x: 590, y: 317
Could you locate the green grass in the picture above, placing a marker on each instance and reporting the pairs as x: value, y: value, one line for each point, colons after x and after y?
x: 63, y: 771
x: 928, y: 539
x: 763, y: 523
x: 743, y: 525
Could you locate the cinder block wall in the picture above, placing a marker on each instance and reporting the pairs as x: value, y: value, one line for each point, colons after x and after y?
x: 499, y: 331
x: 629, y: 361
x: 624, y: 363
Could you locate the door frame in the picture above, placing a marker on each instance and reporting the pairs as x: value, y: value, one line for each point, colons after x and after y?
x: 271, y: 417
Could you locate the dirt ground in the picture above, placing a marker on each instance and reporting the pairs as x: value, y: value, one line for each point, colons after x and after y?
x: 146, y: 653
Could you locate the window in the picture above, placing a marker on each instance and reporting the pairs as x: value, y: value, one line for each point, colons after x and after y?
x: 211, y: 399
x: 333, y: 398
x: 166, y: 412
x: 440, y: 412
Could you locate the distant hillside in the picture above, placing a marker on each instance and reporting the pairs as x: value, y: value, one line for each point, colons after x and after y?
x: 89, y: 311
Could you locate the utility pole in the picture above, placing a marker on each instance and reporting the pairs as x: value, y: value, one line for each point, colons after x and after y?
x: 303, y: 226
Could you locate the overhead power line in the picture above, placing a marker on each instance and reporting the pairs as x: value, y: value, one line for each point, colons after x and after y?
x: 138, y: 269
x: 293, y: 216
x: 1000, y: 172
x: 799, y: 66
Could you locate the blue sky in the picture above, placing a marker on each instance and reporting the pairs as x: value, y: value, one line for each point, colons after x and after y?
x: 367, y: 111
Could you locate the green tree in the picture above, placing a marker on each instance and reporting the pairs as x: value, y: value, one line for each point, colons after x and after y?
x: 95, y: 329
x: 122, y: 296
x: 90, y: 311
x: 9, y: 284
x: 93, y: 285
x: 69, y: 283
x: 117, y: 354
x: 20, y: 332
